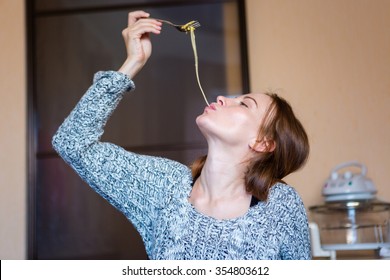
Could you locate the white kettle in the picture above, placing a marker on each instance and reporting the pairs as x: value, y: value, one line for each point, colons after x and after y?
x: 348, y: 185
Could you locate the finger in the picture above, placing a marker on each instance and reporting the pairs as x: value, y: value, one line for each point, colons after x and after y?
x: 136, y: 15
x: 139, y: 32
x: 144, y: 26
x: 148, y: 23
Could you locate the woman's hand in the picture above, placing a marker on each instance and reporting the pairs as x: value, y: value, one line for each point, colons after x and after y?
x: 137, y: 41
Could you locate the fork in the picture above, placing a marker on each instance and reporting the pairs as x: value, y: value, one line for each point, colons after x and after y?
x: 183, y: 27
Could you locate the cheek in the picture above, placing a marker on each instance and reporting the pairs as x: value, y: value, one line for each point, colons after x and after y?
x: 247, y: 130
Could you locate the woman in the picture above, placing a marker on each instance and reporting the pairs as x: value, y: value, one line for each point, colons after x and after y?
x: 233, y: 205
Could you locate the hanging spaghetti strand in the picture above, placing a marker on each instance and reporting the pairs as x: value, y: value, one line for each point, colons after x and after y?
x: 192, y: 33
x: 190, y: 27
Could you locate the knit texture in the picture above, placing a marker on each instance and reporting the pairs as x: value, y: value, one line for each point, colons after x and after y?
x: 152, y: 192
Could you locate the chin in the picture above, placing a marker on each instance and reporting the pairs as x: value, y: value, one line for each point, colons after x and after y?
x: 203, y: 124
x: 200, y: 120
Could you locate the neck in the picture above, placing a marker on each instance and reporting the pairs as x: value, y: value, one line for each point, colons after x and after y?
x: 223, y: 173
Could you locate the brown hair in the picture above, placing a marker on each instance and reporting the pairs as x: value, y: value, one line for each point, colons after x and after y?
x: 291, y: 151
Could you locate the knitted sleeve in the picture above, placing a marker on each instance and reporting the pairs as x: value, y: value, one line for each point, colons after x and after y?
x: 136, y: 185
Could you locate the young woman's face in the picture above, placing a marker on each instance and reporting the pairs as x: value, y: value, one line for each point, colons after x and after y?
x: 234, y: 120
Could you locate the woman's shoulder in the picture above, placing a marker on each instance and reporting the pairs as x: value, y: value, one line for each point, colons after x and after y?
x: 175, y: 176
x: 283, y: 190
x: 284, y: 196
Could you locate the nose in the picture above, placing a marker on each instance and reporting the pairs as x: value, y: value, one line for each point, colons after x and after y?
x: 221, y: 100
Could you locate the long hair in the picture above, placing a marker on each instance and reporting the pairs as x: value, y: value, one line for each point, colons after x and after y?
x: 291, y: 151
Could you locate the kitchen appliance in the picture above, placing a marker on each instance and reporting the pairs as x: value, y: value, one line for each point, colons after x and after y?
x: 352, y: 218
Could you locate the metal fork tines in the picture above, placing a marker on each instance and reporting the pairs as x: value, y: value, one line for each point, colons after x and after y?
x: 183, y: 27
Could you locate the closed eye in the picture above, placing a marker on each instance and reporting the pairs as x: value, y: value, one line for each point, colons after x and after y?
x: 243, y: 104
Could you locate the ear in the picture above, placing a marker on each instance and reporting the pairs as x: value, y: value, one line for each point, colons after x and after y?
x: 262, y: 146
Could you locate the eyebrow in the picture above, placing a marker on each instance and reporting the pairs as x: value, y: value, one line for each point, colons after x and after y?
x: 251, y: 98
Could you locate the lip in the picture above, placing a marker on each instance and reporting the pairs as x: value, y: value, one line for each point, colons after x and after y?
x: 212, y: 106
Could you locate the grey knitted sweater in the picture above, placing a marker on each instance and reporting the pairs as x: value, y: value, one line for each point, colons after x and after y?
x: 152, y: 192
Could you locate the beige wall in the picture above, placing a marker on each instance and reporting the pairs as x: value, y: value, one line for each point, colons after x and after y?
x: 331, y: 60
x: 13, y: 131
